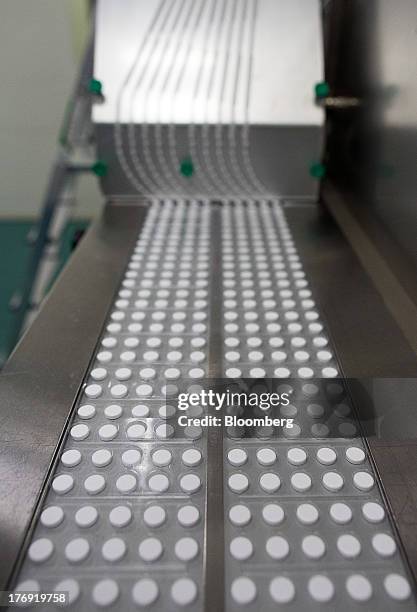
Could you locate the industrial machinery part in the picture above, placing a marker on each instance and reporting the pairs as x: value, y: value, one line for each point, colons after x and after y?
x: 210, y: 97
x: 211, y: 268
x: 138, y: 509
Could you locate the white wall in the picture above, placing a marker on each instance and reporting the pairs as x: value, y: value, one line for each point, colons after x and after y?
x: 38, y: 63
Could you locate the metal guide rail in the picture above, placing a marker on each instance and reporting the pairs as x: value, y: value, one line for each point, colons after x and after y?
x: 144, y: 513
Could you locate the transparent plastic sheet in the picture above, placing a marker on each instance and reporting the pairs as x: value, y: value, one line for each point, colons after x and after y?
x: 305, y: 520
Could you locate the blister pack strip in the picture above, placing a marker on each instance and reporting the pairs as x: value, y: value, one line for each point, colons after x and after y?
x: 305, y: 524
x: 123, y: 523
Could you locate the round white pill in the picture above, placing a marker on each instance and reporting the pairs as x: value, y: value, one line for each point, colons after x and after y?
x: 238, y: 483
x: 239, y: 515
x: 161, y: 457
x: 315, y: 410
x: 313, y: 547
x: 147, y: 373
x: 166, y: 411
x: 94, y: 484
x: 188, y: 516
x: 86, y: 516
x: 193, y: 432
x: 131, y: 457
x: 397, y: 587
x: 384, y: 545
x: 28, y: 585
x: 77, y: 550
x: 255, y: 356
x: 273, y: 514
x: 126, y: 483
x: 172, y: 373
x: 120, y: 516
x: 278, y: 356
x: 257, y: 373
x: 114, y: 411
x: 307, y: 514
x: 329, y: 372
x: 140, y: 411
x: 196, y: 373
x: 358, y: 587
x: 321, y: 588
x: 40, y: 550
x: 190, y: 483
x: 119, y: 391
x: 296, y: 456
x: 145, y: 592
x: 363, y: 481
x: 270, y: 482
x: 281, y: 590
x: 340, y: 513
x: 237, y: 456
x: 159, y: 483
x: 184, y: 591
x: 277, y: 547
x: 186, y: 549
x: 192, y: 457
x: 107, y: 432
x: 69, y: 586
x: 104, y: 356
x: 101, y: 457
x: 113, y: 550
x: 326, y: 456
x: 62, y: 484
x: 86, y: 412
x: 164, y: 431
x: 105, y: 593
x: 300, y: 482
x: 243, y: 590
x: 373, y: 512
x: 241, y: 548
x: 355, y: 455
x: 332, y: 481
x: 150, y: 549
x: 52, y: 516
x: 80, y: 431
x: 348, y: 546
x: 154, y: 516
x: 144, y: 390
x: 266, y: 456
x: 98, y: 373
x: 71, y: 458
x: 93, y: 391
x: 136, y: 431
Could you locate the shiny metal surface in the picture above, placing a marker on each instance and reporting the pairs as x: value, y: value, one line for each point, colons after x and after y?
x: 228, y: 84
x: 371, y: 53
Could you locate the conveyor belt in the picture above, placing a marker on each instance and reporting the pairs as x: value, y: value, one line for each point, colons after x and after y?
x: 131, y: 517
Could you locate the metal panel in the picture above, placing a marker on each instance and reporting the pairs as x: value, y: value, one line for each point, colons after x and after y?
x: 174, y: 91
x: 375, y: 148
x: 40, y: 382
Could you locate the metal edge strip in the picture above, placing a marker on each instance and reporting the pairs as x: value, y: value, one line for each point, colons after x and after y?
x: 214, y: 570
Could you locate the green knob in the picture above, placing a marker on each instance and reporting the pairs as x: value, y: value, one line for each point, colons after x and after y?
x: 95, y: 87
x: 322, y: 90
x: 187, y: 167
x: 318, y: 170
x: 99, y: 168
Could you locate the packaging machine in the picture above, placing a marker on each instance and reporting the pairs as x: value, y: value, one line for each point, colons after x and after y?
x: 248, y: 245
